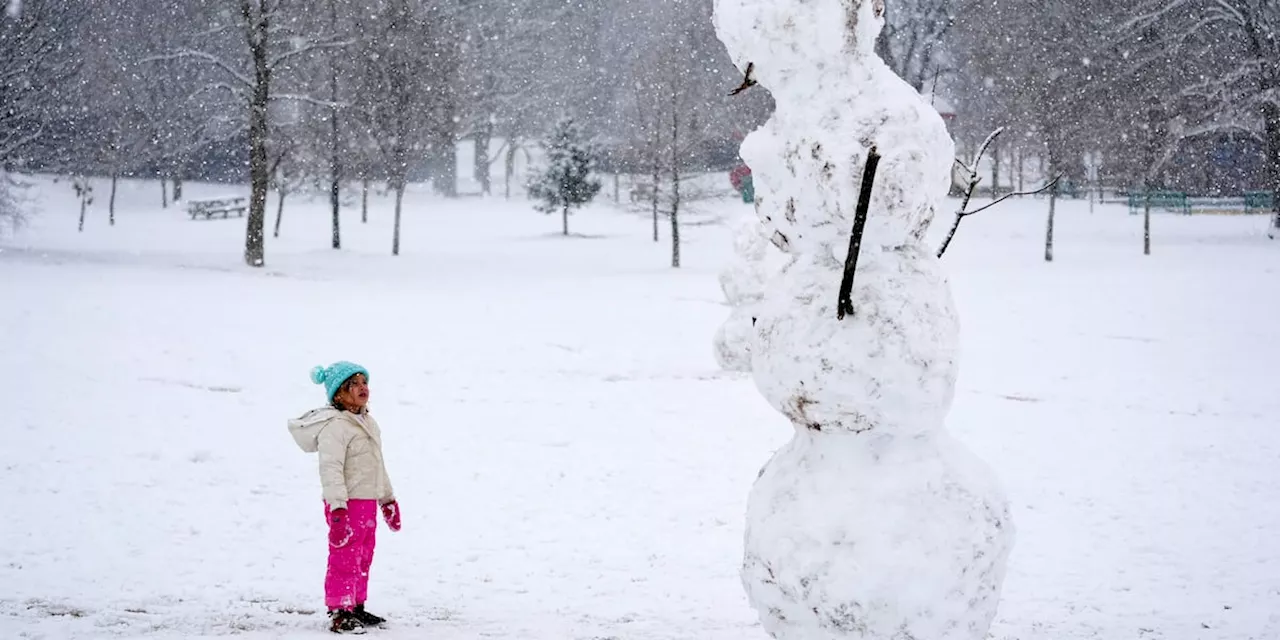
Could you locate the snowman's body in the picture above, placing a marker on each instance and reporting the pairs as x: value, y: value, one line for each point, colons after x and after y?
x: 872, y: 522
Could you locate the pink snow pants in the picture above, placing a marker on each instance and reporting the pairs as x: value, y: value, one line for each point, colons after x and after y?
x: 346, y: 583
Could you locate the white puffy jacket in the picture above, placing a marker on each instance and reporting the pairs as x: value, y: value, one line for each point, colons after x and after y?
x: 350, y: 448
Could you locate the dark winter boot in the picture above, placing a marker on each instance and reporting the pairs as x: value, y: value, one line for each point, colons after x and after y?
x: 343, y: 621
x: 366, y: 618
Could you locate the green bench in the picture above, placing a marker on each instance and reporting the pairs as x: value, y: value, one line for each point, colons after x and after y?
x: 1259, y: 201
x: 1172, y: 200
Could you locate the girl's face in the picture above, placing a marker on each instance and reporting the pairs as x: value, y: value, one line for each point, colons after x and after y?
x: 354, y: 393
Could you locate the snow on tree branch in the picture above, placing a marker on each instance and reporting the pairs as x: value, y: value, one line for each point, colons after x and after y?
x: 321, y: 45
x: 204, y: 56
x: 306, y: 99
x: 12, y: 141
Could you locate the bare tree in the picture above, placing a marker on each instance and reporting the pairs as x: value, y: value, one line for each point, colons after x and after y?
x: 33, y: 63
x: 1238, y: 35
x: 504, y: 89
x: 291, y: 168
x: 481, y: 64
x: 183, y: 100
x: 83, y: 186
x: 672, y: 122
x: 266, y: 28
x: 256, y: 17
x: 1034, y: 63
x: 401, y: 69
x: 121, y: 137
x: 915, y: 38
x: 34, y: 67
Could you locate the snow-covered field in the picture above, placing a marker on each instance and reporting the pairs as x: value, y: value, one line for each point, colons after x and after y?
x: 571, y: 463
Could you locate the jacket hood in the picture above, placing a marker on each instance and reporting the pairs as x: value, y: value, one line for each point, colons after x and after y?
x: 306, y: 428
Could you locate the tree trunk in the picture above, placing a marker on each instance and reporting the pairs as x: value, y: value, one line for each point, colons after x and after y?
x: 1146, y: 226
x: 177, y: 189
x: 483, y: 134
x: 1021, y: 155
x: 395, y: 236
x: 364, y: 200
x: 1271, y: 120
x: 995, y: 169
x: 617, y: 189
x: 335, y: 198
x: 446, y: 170
x: 675, y: 184
x: 1048, y: 237
x: 259, y: 169
x: 564, y: 214
x: 279, y: 212
x: 675, y: 179
x: 164, y: 192
x: 111, y: 202
x: 335, y: 150
x: 335, y: 173
x: 84, y: 204
x: 509, y: 166
x: 656, y: 176
x: 675, y: 224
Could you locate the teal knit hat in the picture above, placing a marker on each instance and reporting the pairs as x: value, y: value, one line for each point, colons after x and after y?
x: 335, y: 374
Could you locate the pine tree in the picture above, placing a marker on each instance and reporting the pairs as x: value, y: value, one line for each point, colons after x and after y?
x: 567, y: 181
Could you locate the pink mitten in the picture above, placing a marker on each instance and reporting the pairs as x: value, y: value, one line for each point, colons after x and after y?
x: 339, y: 528
x: 391, y: 513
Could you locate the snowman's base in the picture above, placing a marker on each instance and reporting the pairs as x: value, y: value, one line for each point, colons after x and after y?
x: 872, y: 537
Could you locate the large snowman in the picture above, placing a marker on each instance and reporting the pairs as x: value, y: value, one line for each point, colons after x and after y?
x: 872, y: 522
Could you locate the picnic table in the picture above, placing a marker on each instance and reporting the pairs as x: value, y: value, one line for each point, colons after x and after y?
x: 222, y: 207
x: 641, y: 191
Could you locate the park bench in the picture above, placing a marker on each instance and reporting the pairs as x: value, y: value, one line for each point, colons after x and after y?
x: 1258, y: 201
x: 223, y: 207
x: 1172, y: 200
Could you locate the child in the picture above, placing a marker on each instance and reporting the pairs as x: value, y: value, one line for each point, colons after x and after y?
x: 355, y: 484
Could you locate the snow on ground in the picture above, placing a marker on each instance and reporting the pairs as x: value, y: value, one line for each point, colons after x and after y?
x: 571, y: 462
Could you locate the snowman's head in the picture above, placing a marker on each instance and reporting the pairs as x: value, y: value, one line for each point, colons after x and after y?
x: 783, y: 37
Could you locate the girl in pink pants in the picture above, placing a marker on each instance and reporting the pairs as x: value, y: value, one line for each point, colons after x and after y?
x: 354, y: 482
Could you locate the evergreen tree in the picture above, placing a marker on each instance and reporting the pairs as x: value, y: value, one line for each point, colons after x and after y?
x: 566, y: 182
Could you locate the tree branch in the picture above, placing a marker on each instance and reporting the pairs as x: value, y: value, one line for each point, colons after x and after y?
x: 1006, y: 196
x: 203, y: 56
x: 236, y: 92
x: 962, y: 213
x: 308, y: 48
x: 296, y: 97
x: 973, y: 166
x: 8, y: 146
x: 844, y: 304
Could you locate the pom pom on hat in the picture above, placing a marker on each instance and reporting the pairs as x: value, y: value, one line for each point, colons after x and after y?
x: 335, y: 374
